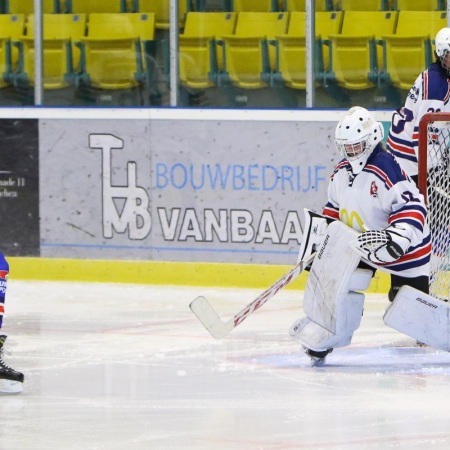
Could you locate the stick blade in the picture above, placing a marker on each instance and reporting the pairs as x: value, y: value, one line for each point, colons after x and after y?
x: 209, y: 318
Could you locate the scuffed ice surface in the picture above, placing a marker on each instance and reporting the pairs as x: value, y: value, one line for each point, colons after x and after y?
x: 116, y: 366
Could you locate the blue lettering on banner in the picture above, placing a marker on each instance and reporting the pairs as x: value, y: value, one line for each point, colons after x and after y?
x: 238, y: 177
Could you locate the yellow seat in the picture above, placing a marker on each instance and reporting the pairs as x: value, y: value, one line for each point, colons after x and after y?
x: 254, y: 5
x: 410, y: 50
x: 11, y: 28
x: 354, y: 58
x: 60, y: 56
x: 418, y: 5
x: 300, y: 5
x: 362, y: 5
x: 95, y: 6
x: 161, y: 9
x: 112, y: 55
x: 249, y: 60
x: 200, y: 56
x: 292, y: 46
x: 27, y: 6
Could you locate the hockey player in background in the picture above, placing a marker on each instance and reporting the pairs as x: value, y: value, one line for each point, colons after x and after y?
x: 11, y: 381
x: 385, y: 227
x: 430, y: 93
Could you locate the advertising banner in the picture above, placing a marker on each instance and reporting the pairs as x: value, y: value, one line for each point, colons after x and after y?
x: 19, y: 187
x: 174, y: 190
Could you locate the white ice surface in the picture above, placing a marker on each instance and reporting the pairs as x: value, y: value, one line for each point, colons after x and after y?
x: 111, y: 366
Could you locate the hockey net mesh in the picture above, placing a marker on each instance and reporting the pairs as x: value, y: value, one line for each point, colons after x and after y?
x: 434, y: 182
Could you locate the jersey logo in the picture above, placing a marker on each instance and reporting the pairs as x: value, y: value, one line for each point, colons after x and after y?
x: 352, y: 219
x: 374, y: 189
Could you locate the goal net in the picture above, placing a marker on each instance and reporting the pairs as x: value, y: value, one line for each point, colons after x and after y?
x: 434, y: 183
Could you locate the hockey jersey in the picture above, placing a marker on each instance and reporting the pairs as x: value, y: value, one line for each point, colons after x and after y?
x: 382, y: 195
x: 430, y: 93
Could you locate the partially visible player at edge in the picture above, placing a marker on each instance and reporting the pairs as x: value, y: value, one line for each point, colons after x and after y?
x: 430, y: 93
x: 11, y: 381
x: 371, y: 193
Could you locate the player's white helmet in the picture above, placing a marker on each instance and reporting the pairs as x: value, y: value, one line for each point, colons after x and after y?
x: 357, y: 134
x: 442, y: 42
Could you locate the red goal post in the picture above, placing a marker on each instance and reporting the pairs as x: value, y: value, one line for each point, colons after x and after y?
x: 434, y: 184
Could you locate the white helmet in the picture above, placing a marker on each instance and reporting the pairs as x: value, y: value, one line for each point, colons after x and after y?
x: 357, y: 134
x: 442, y: 42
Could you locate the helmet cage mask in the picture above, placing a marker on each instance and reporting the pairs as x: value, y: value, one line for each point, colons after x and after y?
x: 442, y: 43
x: 357, y: 134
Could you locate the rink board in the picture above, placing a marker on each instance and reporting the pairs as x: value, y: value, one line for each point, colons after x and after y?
x: 164, y: 273
x: 168, y: 185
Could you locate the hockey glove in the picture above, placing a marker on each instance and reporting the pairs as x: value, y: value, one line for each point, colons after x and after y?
x: 383, y: 246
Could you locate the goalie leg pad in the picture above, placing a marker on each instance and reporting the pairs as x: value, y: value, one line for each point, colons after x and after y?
x: 333, y: 311
x: 421, y: 317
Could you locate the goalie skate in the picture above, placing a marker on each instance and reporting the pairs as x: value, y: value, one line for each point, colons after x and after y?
x: 317, y: 358
x: 11, y: 381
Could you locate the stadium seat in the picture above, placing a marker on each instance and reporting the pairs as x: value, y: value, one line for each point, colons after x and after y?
x: 300, y: 5
x: 254, y: 5
x: 12, y: 26
x: 249, y: 61
x: 419, y: 5
x: 291, y: 47
x: 362, y: 5
x: 354, y: 60
x: 161, y: 10
x: 60, y: 56
x: 199, y: 54
x: 211, y: 6
x: 27, y: 6
x: 111, y: 53
x: 410, y: 50
x: 95, y: 6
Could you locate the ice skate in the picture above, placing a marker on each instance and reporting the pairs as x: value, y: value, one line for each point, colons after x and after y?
x: 317, y: 358
x: 11, y: 381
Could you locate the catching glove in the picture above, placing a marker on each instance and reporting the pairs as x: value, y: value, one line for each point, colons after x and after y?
x: 383, y: 246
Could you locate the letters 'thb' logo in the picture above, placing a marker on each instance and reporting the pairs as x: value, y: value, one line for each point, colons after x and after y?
x: 134, y: 214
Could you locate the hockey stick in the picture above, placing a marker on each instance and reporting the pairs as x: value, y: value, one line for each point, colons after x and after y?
x: 218, y: 328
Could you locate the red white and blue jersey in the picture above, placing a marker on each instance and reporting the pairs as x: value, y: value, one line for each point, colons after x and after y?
x: 430, y: 93
x: 382, y: 195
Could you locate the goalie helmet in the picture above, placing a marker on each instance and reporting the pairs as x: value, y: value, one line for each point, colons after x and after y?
x: 357, y: 134
x: 442, y: 42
